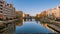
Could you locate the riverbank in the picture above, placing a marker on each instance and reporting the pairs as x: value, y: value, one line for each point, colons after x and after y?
x: 55, y: 25
x: 6, y: 25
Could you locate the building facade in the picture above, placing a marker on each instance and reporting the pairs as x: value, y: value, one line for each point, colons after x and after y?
x: 7, y: 11
x: 19, y: 14
x: 54, y: 13
x: 42, y: 14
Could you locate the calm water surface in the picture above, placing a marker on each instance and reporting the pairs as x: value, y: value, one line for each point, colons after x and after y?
x: 31, y: 27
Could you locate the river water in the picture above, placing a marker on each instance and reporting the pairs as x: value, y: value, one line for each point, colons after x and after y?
x: 27, y: 27
x: 31, y: 27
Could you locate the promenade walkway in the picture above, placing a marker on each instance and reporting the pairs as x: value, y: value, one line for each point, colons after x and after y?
x: 54, y: 27
x: 52, y: 24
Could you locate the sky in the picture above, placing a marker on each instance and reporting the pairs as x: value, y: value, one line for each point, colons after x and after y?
x: 34, y: 7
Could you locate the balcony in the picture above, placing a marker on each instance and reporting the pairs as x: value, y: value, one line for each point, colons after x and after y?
x: 1, y: 10
x: 1, y: 5
x: 1, y: 13
x: 1, y: 0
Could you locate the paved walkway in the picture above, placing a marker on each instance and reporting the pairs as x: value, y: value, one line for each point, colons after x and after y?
x: 53, y: 24
x: 2, y: 23
x: 54, y: 27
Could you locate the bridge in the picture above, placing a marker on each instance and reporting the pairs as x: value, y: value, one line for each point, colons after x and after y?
x: 27, y: 18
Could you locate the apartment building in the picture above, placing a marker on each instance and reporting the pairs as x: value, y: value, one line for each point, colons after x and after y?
x: 1, y: 9
x: 43, y: 14
x: 19, y: 14
x: 54, y: 13
x: 7, y: 11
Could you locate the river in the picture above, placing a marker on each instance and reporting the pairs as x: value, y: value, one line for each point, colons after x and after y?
x: 32, y: 27
x: 27, y: 27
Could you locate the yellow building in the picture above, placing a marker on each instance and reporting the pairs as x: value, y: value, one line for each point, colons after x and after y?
x: 19, y: 14
x: 42, y: 14
x: 54, y: 13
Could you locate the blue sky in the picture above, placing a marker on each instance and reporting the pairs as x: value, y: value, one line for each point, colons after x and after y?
x: 34, y: 7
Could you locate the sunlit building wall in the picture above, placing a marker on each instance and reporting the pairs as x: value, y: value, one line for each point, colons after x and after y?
x: 54, y: 13
x: 7, y: 11
x: 19, y: 14
x: 2, y: 5
x: 42, y: 14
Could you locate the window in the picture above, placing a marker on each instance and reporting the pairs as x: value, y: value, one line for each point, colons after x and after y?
x: 0, y: 8
x: 0, y: 11
x: 7, y: 4
x: 1, y: 5
x: 59, y: 6
x: 1, y: 2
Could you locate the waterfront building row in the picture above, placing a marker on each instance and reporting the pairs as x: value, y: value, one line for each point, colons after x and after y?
x: 54, y: 13
x: 51, y: 13
x: 8, y: 11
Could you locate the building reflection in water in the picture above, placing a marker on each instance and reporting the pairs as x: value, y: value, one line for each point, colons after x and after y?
x: 46, y: 26
x: 43, y: 24
x: 9, y: 28
x: 19, y: 23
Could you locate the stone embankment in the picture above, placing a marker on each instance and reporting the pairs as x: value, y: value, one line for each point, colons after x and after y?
x: 4, y: 25
x: 55, y: 25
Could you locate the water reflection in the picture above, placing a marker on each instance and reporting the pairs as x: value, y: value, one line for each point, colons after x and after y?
x: 26, y: 27
x: 32, y: 27
x: 19, y: 23
x: 44, y: 24
x: 9, y: 28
